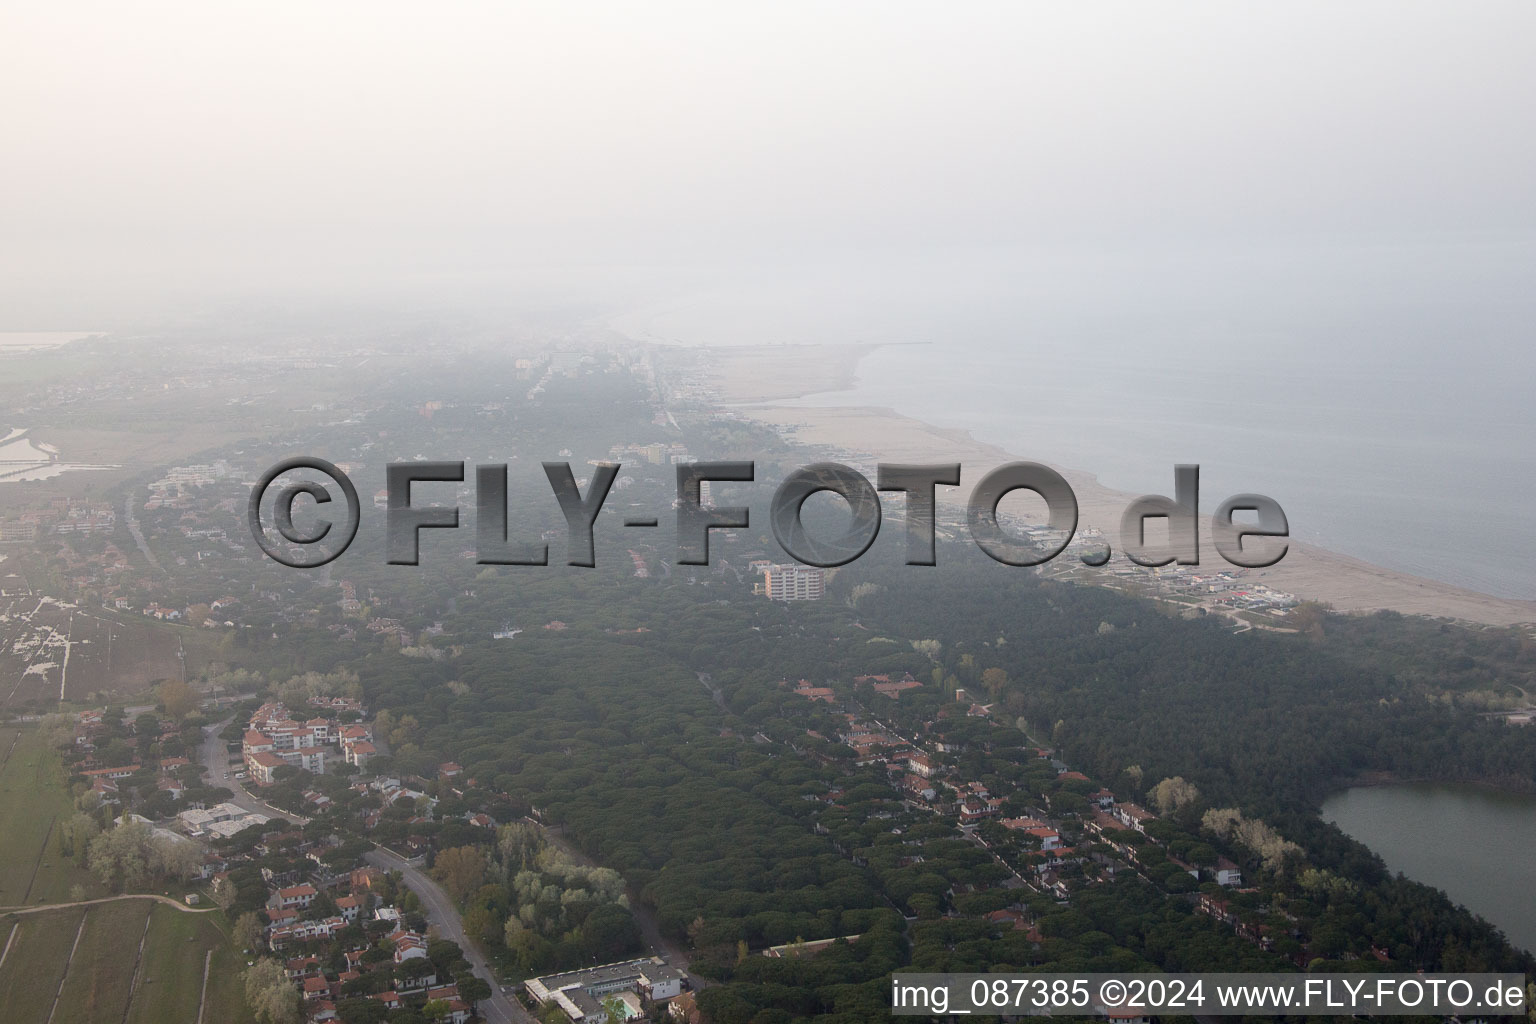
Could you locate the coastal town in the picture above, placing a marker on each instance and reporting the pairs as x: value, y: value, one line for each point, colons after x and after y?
x: 346, y: 928
x: 372, y: 777
x: 570, y: 514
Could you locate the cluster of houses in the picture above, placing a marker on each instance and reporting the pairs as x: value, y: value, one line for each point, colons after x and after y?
x: 294, y: 921
x: 919, y: 772
x: 392, y: 791
x: 656, y: 453
x: 103, y: 779
x: 63, y: 515
x: 274, y: 739
x: 883, y: 685
x: 1225, y: 588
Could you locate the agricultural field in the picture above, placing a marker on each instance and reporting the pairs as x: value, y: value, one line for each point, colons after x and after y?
x: 36, y: 954
x: 119, y: 960
x: 101, y: 972
x: 122, y: 961
x: 171, y: 972
x: 33, y: 803
x: 50, y: 652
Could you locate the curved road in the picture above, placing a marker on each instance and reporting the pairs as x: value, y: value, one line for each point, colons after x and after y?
x: 440, y: 911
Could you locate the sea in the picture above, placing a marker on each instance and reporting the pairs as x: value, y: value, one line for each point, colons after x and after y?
x: 1381, y: 393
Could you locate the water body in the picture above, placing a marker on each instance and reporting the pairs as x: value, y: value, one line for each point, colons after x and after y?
x: 1417, y: 472
x: 23, y: 459
x: 1477, y: 844
x: 1379, y: 392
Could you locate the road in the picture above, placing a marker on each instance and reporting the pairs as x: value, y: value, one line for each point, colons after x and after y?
x: 440, y: 911
x: 216, y: 764
x: 138, y: 535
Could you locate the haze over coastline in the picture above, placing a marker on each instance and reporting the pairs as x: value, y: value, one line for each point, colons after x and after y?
x: 1377, y: 389
x: 810, y: 391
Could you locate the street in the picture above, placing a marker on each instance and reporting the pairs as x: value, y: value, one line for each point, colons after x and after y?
x: 216, y: 764
x: 440, y: 912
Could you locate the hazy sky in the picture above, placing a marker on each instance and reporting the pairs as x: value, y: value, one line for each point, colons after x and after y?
x: 157, y: 149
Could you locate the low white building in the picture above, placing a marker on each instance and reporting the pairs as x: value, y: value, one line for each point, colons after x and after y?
x: 580, y: 994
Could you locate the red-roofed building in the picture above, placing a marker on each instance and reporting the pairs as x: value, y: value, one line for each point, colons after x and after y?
x: 408, y: 946
x: 815, y: 693
x: 1133, y: 816
x: 302, y: 967
x: 922, y: 764
x: 120, y: 772
x: 300, y: 896
x: 1049, y: 838
x: 278, y: 917
x: 895, y: 689
x: 1009, y: 917
x: 263, y: 765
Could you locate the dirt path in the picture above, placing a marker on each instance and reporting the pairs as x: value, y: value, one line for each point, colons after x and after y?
x: 45, y: 907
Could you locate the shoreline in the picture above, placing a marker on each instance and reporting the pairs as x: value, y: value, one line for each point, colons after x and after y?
x: 1380, y: 778
x: 754, y: 381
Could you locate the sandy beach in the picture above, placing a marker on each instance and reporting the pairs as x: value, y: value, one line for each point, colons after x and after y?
x: 751, y: 379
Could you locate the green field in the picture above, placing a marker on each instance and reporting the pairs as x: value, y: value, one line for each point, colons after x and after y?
x: 171, y: 974
x: 33, y: 802
x: 30, y: 975
x: 100, y: 975
x: 110, y: 979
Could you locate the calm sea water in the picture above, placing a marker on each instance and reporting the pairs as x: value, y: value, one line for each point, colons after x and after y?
x: 1414, y: 468
x: 1381, y: 393
x: 1476, y: 844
